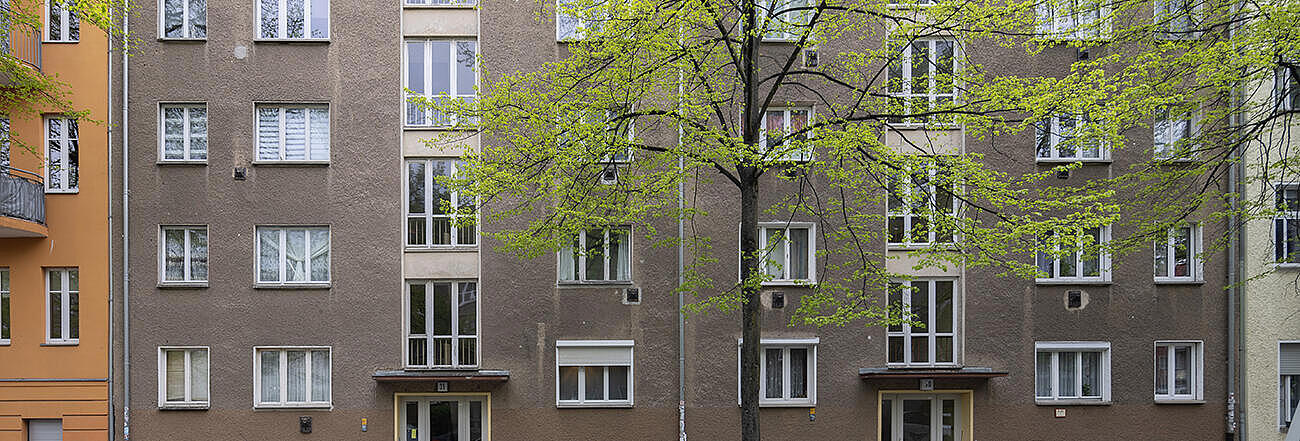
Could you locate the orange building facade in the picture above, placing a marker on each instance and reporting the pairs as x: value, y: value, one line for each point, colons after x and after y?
x: 54, y: 242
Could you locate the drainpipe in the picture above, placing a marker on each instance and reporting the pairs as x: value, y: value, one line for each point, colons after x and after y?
x: 126, y: 236
x: 1236, y: 255
x: 681, y: 262
x: 111, y: 408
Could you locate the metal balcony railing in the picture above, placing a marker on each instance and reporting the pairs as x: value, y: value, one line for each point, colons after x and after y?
x: 21, y: 41
x: 22, y: 195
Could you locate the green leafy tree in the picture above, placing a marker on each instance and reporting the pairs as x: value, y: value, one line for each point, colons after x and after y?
x: 691, y: 92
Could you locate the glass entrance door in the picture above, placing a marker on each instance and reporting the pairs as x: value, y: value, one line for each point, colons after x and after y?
x: 914, y: 417
x: 442, y: 419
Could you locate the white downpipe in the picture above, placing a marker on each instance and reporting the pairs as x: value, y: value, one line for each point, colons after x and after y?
x: 126, y: 234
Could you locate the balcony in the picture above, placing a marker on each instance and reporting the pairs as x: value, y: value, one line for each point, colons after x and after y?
x: 22, y: 42
x: 22, y: 203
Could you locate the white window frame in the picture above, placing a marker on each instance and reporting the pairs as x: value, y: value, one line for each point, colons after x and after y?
x: 188, y: 402
x: 903, y: 183
x: 785, y: 244
x: 65, y: 299
x: 1168, y: 246
x: 187, y: 28
x: 4, y: 144
x: 283, y: 258
x: 1067, y: 20
x: 66, y: 25
x: 308, y: 147
x: 1077, y: 347
x: 284, y: 377
x: 1164, y: 19
x: 188, y: 230
x: 803, y: 154
x: 187, y: 137
x: 932, y: 94
x: 430, y: 120
x: 906, y: 332
x: 1057, y: 136
x: 581, y: 265
x: 5, y: 306
x: 1196, y: 366
x: 1286, y: 85
x: 785, y: 344
x: 896, y: 413
x: 1284, y: 391
x: 589, y: 18
x: 594, y: 141
x: 429, y: 336
x: 65, y: 141
x: 428, y: 217
x: 1103, y: 261
x: 1283, y: 215
x: 777, y: 11
x: 282, y: 29
x: 1176, y: 146
x: 582, y: 400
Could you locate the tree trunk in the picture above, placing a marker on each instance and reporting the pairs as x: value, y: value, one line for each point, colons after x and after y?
x: 751, y: 311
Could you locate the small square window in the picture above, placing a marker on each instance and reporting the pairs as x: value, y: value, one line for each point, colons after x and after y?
x: 184, y: 254
x: 784, y: 20
x: 598, y: 255
x: 1286, y: 224
x: 292, y: 377
x: 183, y: 132
x: 183, y: 19
x: 786, y: 133
x: 1178, y: 256
x: 183, y: 377
x: 1072, y: 372
x: 293, y: 19
x: 1070, y: 138
x: 1178, y: 370
x: 790, y: 252
x: 293, y: 133
x: 1178, y: 19
x: 1174, y: 135
x: 593, y: 373
x: 787, y: 372
x: 1074, y: 19
x: 61, y: 22
x: 293, y: 255
x: 1079, y: 256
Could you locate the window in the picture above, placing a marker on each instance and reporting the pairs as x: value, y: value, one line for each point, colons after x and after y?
x: 294, y: 19
x: 921, y: 417
x: 1178, y: 19
x: 1179, y: 371
x: 61, y: 155
x: 1060, y: 138
x: 4, y: 306
x: 788, y: 369
x: 293, y: 255
x: 915, y: 199
x: 1289, y: 382
x: 62, y: 22
x: 593, y: 373
x: 184, y: 19
x: 62, y: 310
x: 1077, y: 256
x: 439, y: 70
x: 1072, y: 371
x: 929, y: 339
x: 4, y: 145
x: 436, y: 215
x: 573, y: 21
x: 1178, y: 256
x: 921, y: 79
x: 783, y: 20
x: 1286, y: 83
x: 293, y: 132
x: 1286, y: 226
x: 616, y: 138
x: 598, y: 255
x: 292, y: 377
x: 184, y: 252
x: 45, y: 430
x: 786, y: 133
x: 791, y: 251
x: 1173, y: 135
x: 184, y: 132
x: 183, y: 377
x: 1073, y: 19
x: 447, y: 314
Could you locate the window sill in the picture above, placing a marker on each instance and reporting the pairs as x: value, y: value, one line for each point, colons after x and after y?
x: 4, y: 342
x: 779, y: 404
x: 181, y: 40
x: 923, y: 126
x: 903, y: 367
x: 61, y: 343
x: 325, y: 285
x: 327, y: 406
x: 449, y: 128
x: 592, y: 283
x: 309, y: 41
x: 1175, y: 161
x: 457, y: 6
x: 59, y: 42
x: 1055, y: 282
x: 1178, y: 401
x: 594, y: 406
x: 49, y: 191
x: 184, y: 406
x: 165, y: 162
x: 1179, y: 282
x: 791, y: 283
x: 264, y: 163
x: 440, y: 368
x: 1085, y: 161
x: 1287, y: 266
x: 1072, y: 402
x: 442, y: 249
x: 182, y: 285
x: 919, y: 246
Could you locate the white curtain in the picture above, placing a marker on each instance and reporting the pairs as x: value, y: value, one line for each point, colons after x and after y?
x: 174, y: 130
x: 199, y: 254
x: 269, y: 255
x: 268, y: 127
x: 175, y: 263
x: 296, y: 391
x: 568, y: 264
x: 320, y: 376
x: 295, y: 254
x: 799, y: 255
x: 320, y: 133
x: 175, y: 375
x: 621, y: 249
x: 199, y: 375
x: 198, y: 133
x: 270, y: 377
x: 320, y: 255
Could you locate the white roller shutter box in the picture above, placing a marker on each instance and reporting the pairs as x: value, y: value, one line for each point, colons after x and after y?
x: 588, y: 353
x: 45, y: 430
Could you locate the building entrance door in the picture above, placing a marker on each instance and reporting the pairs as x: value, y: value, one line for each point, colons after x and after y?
x: 920, y: 417
x: 443, y: 419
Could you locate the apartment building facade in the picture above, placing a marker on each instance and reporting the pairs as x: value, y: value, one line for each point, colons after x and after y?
x: 290, y: 255
x: 54, y: 268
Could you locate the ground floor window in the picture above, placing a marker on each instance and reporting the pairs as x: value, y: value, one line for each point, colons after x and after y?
x: 593, y: 373
x: 920, y: 417
x: 1288, y: 382
x: 443, y: 418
